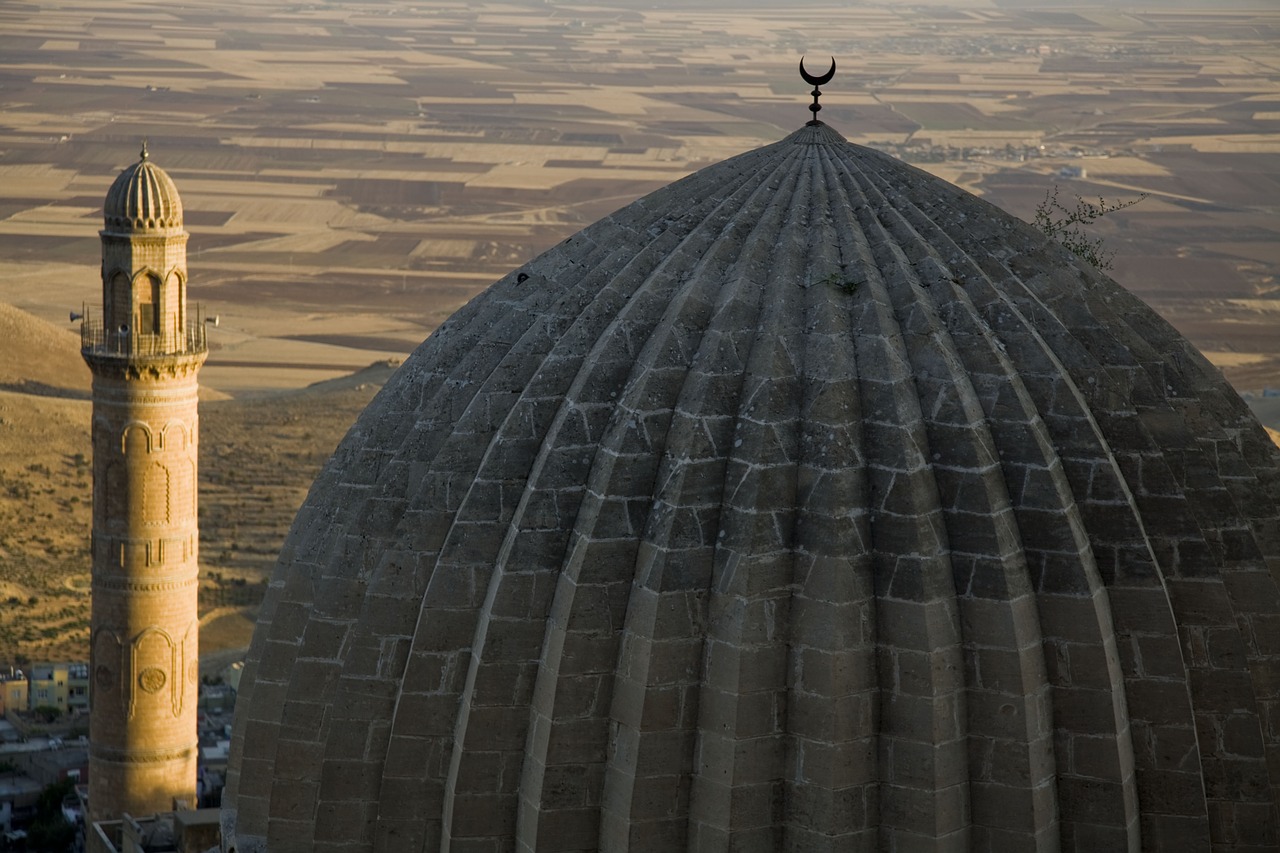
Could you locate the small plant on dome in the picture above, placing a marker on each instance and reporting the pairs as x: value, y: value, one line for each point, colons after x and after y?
x: 840, y: 280
x: 1066, y: 225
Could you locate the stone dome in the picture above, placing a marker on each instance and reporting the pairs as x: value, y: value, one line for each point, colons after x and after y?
x: 143, y: 199
x: 809, y: 503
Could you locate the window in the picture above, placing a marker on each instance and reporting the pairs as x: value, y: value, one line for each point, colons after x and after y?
x: 149, y: 306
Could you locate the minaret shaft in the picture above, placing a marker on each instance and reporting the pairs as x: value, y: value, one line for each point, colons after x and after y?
x: 145, y: 353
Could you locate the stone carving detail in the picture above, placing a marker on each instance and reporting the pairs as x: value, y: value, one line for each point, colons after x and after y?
x: 105, y: 660
x: 174, y: 436
x: 155, y: 658
x: 190, y: 654
x: 135, y: 756
x: 136, y: 438
x: 152, y: 679
x: 115, y: 495
x: 171, y: 585
x: 157, y: 500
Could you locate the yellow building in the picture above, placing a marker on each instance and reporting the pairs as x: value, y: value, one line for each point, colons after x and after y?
x: 48, y: 686
x: 78, y: 688
x: 14, y: 692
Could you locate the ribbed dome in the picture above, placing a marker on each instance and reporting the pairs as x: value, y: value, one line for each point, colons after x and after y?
x: 809, y: 503
x: 143, y: 198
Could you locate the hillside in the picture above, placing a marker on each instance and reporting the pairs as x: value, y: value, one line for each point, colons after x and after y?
x: 39, y: 357
x: 46, y: 485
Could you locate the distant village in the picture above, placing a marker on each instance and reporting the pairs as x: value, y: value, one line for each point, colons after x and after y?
x: 923, y: 150
x: 44, y: 751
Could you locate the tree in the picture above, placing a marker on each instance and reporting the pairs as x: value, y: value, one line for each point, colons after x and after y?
x: 47, y: 713
x: 51, y: 831
x: 1066, y: 225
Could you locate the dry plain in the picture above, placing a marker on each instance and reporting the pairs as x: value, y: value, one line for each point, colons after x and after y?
x: 353, y: 172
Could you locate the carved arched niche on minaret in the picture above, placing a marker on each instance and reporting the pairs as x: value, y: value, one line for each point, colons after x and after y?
x: 105, y: 663
x: 155, y: 672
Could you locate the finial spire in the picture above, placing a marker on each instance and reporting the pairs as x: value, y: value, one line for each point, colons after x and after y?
x: 145, y: 153
x: 816, y: 82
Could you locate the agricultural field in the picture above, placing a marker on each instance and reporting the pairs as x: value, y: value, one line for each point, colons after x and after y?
x: 354, y: 172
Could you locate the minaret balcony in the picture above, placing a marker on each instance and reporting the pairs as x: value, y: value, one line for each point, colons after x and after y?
x: 99, y: 339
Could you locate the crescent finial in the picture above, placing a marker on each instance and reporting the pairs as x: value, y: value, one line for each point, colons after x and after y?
x: 817, y: 81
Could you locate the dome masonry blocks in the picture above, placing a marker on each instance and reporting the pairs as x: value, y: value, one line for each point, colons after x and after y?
x: 145, y: 355
x: 806, y: 504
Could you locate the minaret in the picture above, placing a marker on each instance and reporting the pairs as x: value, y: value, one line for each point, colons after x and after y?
x: 145, y: 350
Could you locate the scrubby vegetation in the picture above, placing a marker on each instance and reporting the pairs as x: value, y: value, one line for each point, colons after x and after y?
x: 1068, y: 225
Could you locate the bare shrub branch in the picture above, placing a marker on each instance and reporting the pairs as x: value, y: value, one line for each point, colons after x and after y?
x: 1067, y: 225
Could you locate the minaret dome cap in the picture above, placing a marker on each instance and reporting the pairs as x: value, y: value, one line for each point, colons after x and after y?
x: 143, y: 198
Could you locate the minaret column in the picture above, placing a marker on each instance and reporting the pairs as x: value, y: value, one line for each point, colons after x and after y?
x: 145, y: 627
x: 145, y: 353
